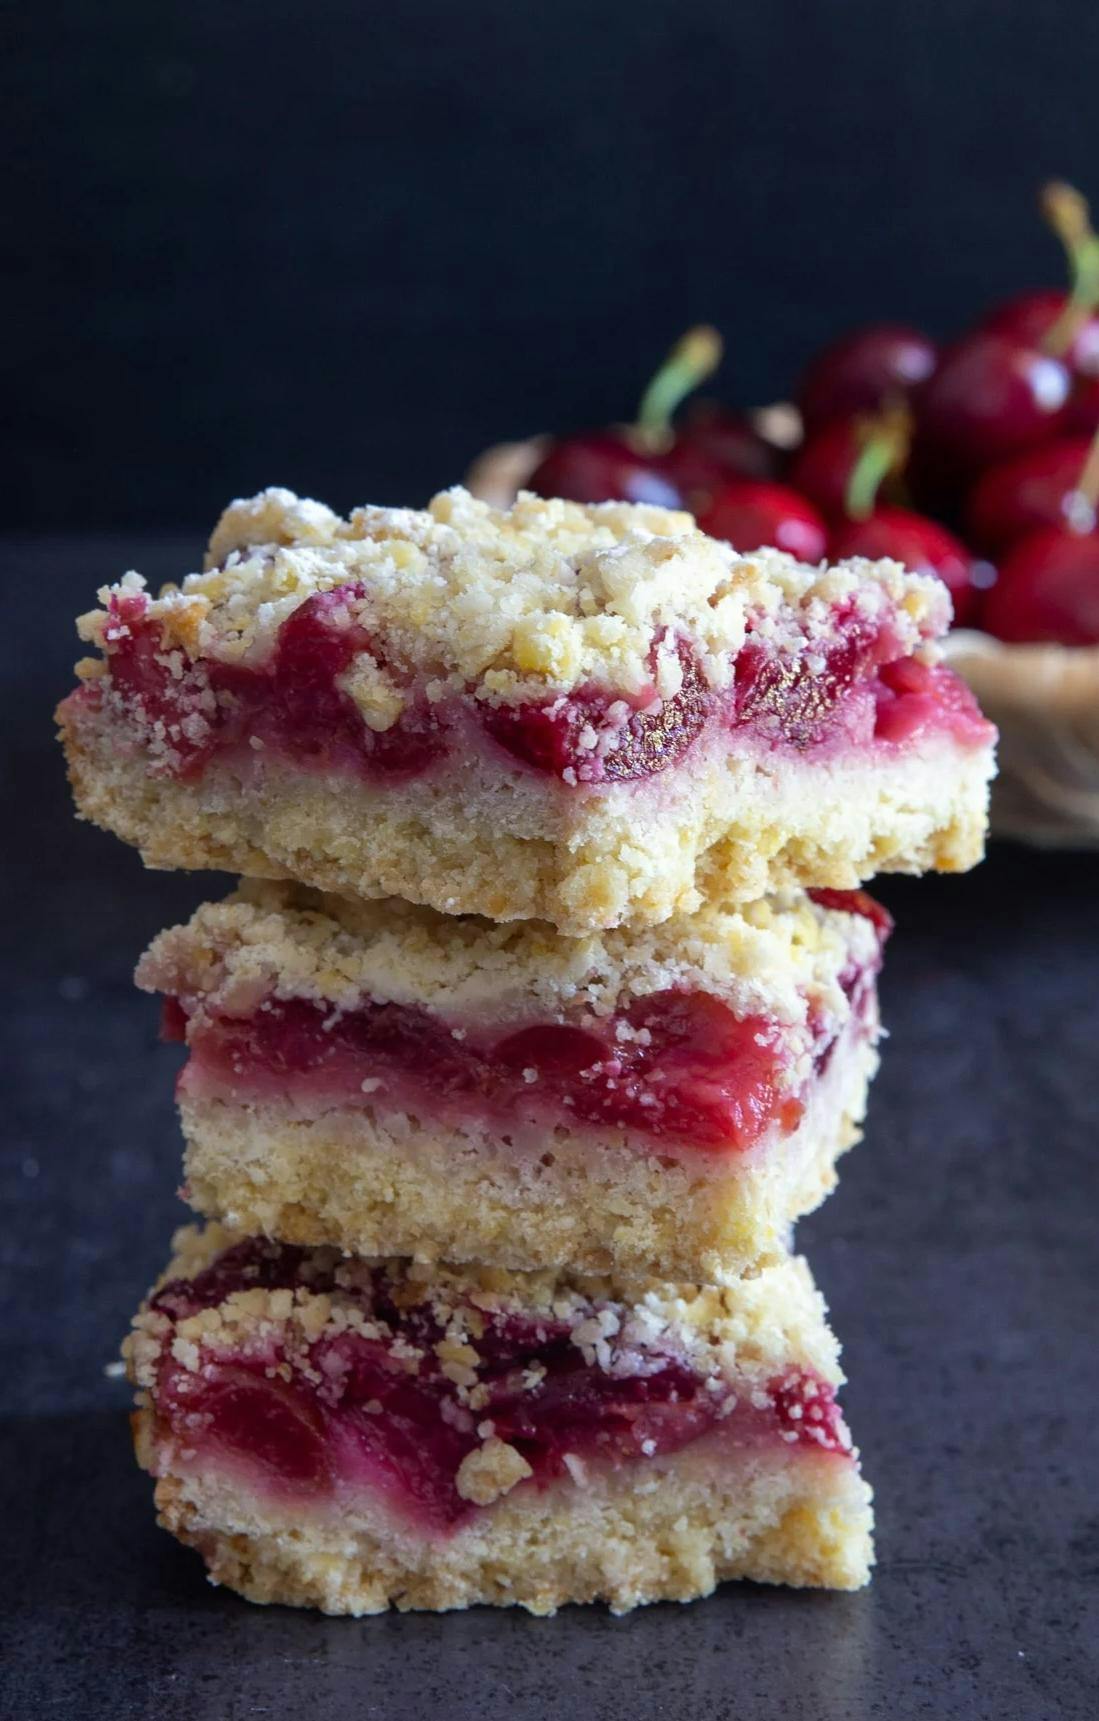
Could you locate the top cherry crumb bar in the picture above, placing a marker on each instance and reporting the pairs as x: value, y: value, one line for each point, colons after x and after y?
x: 586, y: 715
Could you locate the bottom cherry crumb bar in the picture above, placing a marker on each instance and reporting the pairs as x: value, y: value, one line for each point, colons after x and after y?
x: 347, y: 1434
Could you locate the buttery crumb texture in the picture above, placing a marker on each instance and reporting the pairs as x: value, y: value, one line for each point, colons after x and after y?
x: 544, y: 596
x: 286, y: 941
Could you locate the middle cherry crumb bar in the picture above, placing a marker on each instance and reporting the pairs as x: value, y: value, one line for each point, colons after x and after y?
x: 385, y: 1079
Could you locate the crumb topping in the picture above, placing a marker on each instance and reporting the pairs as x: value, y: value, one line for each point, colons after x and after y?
x: 751, y: 1330
x: 512, y: 603
x: 490, y: 1471
x: 287, y: 941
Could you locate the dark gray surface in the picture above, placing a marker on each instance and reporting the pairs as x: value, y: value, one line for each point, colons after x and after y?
x: 959, y: 1258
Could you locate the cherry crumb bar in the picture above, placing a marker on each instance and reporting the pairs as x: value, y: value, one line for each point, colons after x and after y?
x: 585, y: 715
x: 389, y: 1080
x: 347, y: 1434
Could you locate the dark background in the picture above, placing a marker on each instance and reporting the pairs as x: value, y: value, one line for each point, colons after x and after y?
x: 341, y: 245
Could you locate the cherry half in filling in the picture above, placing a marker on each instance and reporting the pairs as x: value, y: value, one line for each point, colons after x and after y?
x: 602, y: 737
x: 375, y: 1406
x: 674, y: 1065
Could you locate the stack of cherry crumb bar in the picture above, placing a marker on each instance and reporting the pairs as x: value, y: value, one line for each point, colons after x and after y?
x: 545, y: 1006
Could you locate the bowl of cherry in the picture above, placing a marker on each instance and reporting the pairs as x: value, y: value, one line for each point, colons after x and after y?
x: 976, y: 460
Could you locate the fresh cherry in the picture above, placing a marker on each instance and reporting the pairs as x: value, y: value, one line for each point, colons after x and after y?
x: 1048, y: 589
x: 1064, y: 324
x: 603, y: 466
x: 865, y: 371
x: 730, y: 439
x: 1016, y: 497
x: 1033, y: 319
x: 922, y: 545
x: 1082, y: 413
x: 991, y: 397
x: 826, y: 465
x: 751, y: 515
x: 645, y: 461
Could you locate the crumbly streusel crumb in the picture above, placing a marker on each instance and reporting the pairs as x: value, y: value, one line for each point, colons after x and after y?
x: 753, y: 1324
x: 286, y: 940
x: 510, y: 603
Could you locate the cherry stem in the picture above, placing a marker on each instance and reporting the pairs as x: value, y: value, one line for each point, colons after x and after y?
x: 1081, y: 505
x: 1067, y: 213
x: 693, y: 358
x: 885, y: 449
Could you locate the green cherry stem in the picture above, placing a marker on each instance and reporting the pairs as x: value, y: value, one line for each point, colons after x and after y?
x: 885, y: 446
x: 1067, y: 213
x: 693, y: 358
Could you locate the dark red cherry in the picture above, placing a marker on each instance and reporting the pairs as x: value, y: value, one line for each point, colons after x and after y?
x: 603, y: 466
x: 750, y: 515
x: 824, y: 463
x: 1082, y: 412
x: 1033, y: 317
x: 992, y: 397
x: 922, y: 545
x: 1019, y: 495
x: 1048, y: 589
x: 642, y: 462
x: 1063, y: 324
x: 865, y: 371
x: 729, y: 439
x: 695, y: 475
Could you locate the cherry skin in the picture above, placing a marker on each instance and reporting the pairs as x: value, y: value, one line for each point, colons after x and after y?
x: 1082, y: 412
x: 823, y: 465
x: 1030, y: 317
x: 1018, y: 496
x: 922, y: 545
x: 729, y: 439
x: 645, y: 461
x: 750, y: 515
x: 696, y: 474
x: 991, y: 397
x: 865, y: 371
x: 603, y: 466
x: 1048, y: 590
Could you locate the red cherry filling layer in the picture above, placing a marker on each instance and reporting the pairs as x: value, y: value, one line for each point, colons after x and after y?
x: 591, y: 736
x: 675, y: 1065
x: 912, y: 696
x: 294, y: 707
x: 373, y: 1404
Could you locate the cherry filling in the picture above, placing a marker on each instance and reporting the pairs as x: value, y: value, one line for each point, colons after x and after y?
x: 294, y: 705
x: 374, y: 1403
x: 855, y: 902
x: 675, y: 1065
x: 912, y: 696
x: 602, y: 737
x: 789, y: 700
